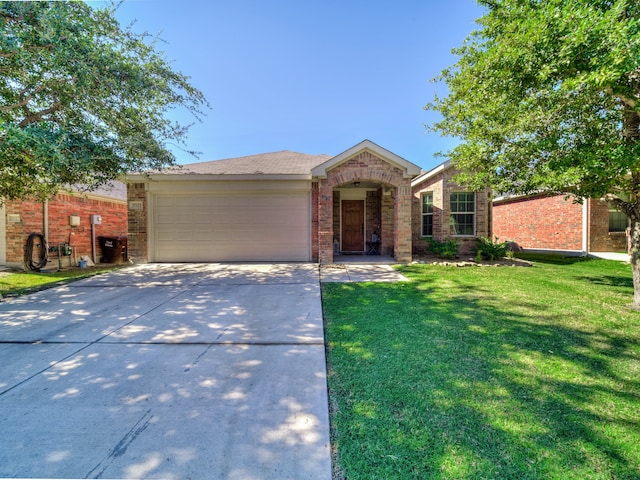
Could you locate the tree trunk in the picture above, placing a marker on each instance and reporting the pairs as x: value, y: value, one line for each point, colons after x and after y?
x: 634, y: 252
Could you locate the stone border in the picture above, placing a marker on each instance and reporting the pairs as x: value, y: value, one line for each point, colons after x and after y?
x: 471, y: 262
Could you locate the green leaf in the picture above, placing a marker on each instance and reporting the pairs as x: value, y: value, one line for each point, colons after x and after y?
x: 83, y: 99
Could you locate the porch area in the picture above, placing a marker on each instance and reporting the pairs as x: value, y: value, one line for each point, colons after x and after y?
x: 364, y: 206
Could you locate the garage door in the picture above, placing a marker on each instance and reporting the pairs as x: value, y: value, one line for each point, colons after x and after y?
x: 214, y: 228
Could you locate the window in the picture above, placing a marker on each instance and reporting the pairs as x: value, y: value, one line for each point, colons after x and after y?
x: 427, y: 214
x: 617, y: 219
x: 463, y: 212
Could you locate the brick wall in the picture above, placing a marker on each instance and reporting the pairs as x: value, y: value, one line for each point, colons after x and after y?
x: 387, y: 220
x: 395, y: 211
x: 137, y: 198
x: 441, y: 185
x: 372, y: 222
x: 314, y: 221
x: 28, y: 216
x: 403, y: 229
x: 337, y: 234
x: 325, y: 222
x: 539, y: 222
x: 600, y: 239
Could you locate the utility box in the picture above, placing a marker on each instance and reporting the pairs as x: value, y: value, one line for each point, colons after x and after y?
x: 114, y: 249
x: 96, y: 219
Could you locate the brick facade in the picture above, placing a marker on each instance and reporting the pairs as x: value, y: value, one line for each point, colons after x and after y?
x: 373, y: 213
x: 391, y: 205
x: 336, y: 218
x: 387, y: 214
x: 552, y: 223
x: 440, y: 185
x: 539, y: 222
x: 314, y: 220
x: 138, y: 208
x: 395, y: 224
x: 28, y: 216
x: 600, y: 239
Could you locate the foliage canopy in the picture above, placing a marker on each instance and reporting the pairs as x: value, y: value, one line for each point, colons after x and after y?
x: 546, y: 96
x: 83, y: 99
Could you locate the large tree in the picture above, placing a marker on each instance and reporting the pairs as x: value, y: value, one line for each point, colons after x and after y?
x: 83, y: 99
x: 545, y: 96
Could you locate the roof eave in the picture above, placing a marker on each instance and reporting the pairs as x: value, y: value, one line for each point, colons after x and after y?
x: 431, y: 173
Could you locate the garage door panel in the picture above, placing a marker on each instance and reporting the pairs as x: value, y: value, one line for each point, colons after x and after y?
x: 231, y: 227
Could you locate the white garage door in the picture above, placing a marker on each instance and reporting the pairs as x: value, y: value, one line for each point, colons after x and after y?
x: 214, y: 228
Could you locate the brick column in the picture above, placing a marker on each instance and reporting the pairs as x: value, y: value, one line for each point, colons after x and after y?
x: 325, y: 222
x: 387, y: 224
x: 138, y: 210
x: 402, y: 240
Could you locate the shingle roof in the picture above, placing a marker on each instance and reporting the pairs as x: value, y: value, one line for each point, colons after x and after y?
x: 113, y: 189
x: 284, y: 162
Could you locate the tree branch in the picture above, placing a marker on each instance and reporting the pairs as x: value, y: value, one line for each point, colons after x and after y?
x: 25, y: 99
x: 629, y: 102
x: 626, y: 207
x: 37, y: 116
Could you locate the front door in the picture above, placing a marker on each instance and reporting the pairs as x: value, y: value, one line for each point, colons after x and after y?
x: 353, y: 225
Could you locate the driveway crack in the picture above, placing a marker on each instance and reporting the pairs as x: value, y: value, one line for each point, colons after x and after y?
x: 197, y: 360
x: 122, y: 446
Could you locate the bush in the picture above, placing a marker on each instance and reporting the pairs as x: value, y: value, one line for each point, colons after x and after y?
x: 492, y: 249
x: 447, y: 249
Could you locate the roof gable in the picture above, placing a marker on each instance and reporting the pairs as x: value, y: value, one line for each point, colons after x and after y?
x: 410, y: 169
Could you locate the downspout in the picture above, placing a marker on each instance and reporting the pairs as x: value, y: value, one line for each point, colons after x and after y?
x: 93, y: 241
x: 45, y: 219
x: 585, y: 227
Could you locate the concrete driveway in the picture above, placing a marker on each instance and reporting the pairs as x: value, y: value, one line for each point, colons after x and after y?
x: 167, y: 371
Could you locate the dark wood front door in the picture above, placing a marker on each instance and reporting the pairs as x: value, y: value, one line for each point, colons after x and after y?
x: 352, y: 225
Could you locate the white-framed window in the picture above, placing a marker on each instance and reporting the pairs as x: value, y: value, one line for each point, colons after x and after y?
x: 463, y: 213
x: 617, y: 219
x: 427, y: 214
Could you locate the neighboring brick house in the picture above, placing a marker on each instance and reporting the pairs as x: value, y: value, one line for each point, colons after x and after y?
x: 288, y: 206
x: 551, y: 222
x: 63, y: 219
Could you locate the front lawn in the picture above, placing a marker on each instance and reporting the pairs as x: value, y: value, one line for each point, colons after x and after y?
x: 21, y: 283
x: 486, y: 373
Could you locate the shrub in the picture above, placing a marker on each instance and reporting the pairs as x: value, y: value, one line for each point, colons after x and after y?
x: 491, y: 249
x: 446, y: 249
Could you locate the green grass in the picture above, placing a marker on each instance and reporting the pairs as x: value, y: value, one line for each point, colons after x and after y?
x: 14, y: 284
x: 486, y: 373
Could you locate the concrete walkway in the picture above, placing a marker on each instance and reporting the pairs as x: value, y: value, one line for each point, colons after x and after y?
x: 621, y: 257
x: 167, y: 371
x: 359, y: 272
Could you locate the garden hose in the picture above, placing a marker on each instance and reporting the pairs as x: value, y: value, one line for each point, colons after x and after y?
x: 32, y: 242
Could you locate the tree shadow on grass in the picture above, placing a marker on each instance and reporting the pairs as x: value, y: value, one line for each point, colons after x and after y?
x: 463, y: 386
x: 609, y: 280
x: 553, y: 258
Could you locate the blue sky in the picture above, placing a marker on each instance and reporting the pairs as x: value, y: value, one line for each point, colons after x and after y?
x: 310, y: 76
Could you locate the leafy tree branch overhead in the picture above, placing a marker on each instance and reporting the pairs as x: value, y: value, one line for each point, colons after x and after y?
x: 545, y: 96
x: 83, y: 100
